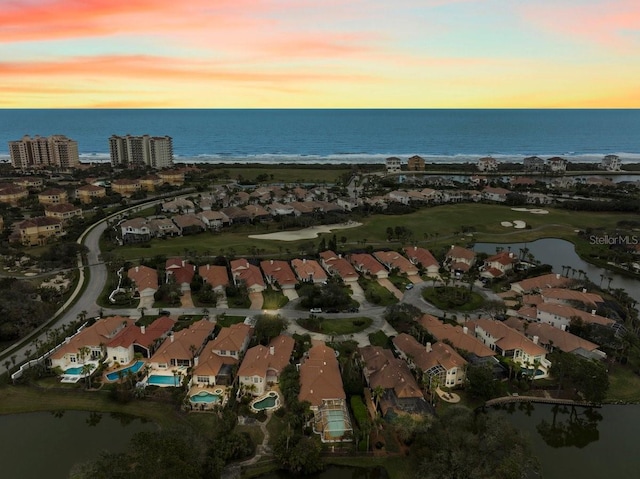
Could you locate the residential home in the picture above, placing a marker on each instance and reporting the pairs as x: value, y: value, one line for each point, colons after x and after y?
x: 539, y: 199
x: 150, y: 182
x: 240, y: 198
x: 257, y: 213
x: 248, y: 274
x: 423, y: 259
x: 497, y: 265
x: 393, y: 260
x: 321, y: 386
x: 179, y: 205
x: 29, y: 182
x: 214, y: 220
x: 560, y: 316
x: 302, y: 208
x: 509, y: 343
x: 65, y: 212
x: 399, y: 197
x: 232, y: 341
x: 280, y: 209
x: 381, y: 369
x: 125, y: 187
x: 213, y: 370
x: 12, y: 194
x: 262, y: 365
x: 335, y: 264
x: 145, y: 280
x: 415, y: 163
x: 133, y: 340
x: 596, y: 181
x: 181, y: 271
x: 557, y: 164
x: 37, y: 231
x: 162, y: 228
x: 610, y: 163
x: 366, y: 264
x: 89, y: 344
x: 538, y: 283
x: 135, y: 230
x: 214, y: 275
x: 88, y: 193
x: 571, y: 297
x: 487, y: 164
x: 279, y: 273
x: 393, y: 164
x: 440, y: 363
x: 53, y: 196
x: 181, y: 348
x: 495, y: 194
x: 189, y: 224
x: 552, y: 338
x: 236, y: 214
x: 459, y: 259
x: 533, y: 163
x: 172, y: 177
x: 522, y: 181
x: 308, y: 270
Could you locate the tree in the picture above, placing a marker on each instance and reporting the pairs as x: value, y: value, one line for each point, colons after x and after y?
x: 482, y: 384
x: 300, y: 455
x: 376, y: 394
x: 268, y: 327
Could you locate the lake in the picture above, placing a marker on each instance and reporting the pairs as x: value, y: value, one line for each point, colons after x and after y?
x: 47, y: 445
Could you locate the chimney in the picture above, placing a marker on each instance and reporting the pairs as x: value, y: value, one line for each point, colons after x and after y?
x: 563, y: 327
x: 465, y: 330
x: 137, y: 268
x: 272, y: 350
x: 428, y: 347
x: 270, y: 261
x: 593, y: 311
x: 208, y: 266
x: 557, y: 275
x: 196, y: 360
x: 584, y: 290
x: 143, y: 329
x: 304, y: 260
x: 535, y: 340
x: 172, y: 337
x: 510, y: 255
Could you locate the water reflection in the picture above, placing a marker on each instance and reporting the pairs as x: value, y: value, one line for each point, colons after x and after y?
x: 570, y: 426
x: 335, y: 472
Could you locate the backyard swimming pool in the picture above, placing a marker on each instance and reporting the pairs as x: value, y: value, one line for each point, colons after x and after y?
x: 77, y: 371
x: 270, y: 401
x: 155, y: 380
x: 205, y: 397
x: 134, y: 368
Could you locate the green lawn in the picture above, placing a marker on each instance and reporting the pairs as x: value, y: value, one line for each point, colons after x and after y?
x: 273, y: 299
x: 453, y: 298
x: 376, y: 293
x: 227, y: 320
x: 336, y: 326
x: 624, y: 385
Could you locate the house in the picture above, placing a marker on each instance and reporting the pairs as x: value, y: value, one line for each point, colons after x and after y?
x: 278, y: 272
x: 393, y: 164
x: 248, y: 274
x: 88, y: 193
x: 366, y: 264
x: 533, y: 163
x: 415, y: 163
x: 495, y: 194
x: 145, y: 280
x: 571, y: 297
x: 181, y: 271
x: 257, y: 213
x: 214, y: 220
x: 262, y: 365
x: 172, y: 177
x: 399, y: 196
x: 189, y: 224
x: 210, y: 370
x: 89, y: 343
x: 557, y: 165
x: 459, y: 337
x: 393, y: 260
x: 162, y: 228
x: 125, y: 187
x: 280, y: 209
x: 522, y: 181
x: 63, y: 211
x: 487, y: 164
x: 497, y: 265
x: 423, y: 259
x: 509, y: 343
x: 610, y: 163
x: 560, y: 316
x: 321, y: 386
x: 179, y: 205
x: 552, y: 338
x: 133, y: 340
x: 216, y: 276
x: 440, y: 363
x: 538, y: 283
x: 12, y: 194
x: 236, y: 214
x: 150, y: 182
x: 308, y: 270
x: 381, y: 369
x: 37, y: 231
x: 29, y: 182
x: 232, y: 341
x: 181, y: 348
x: 53, y: 196
x: 336, y: 265
x: 459, y: 259
x: 135, y: 230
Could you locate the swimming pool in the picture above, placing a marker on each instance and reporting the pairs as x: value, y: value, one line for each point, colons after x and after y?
x: 134, y: 368
x: 155, y: 380
x: 77, y: 371
x: 205, y: 397
x: 336, y: 423
x: 269, y: 401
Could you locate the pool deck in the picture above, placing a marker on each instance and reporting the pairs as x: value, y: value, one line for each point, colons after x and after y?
x: 222, y: 391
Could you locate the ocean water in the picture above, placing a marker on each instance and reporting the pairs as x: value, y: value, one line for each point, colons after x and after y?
x: 343, y: 136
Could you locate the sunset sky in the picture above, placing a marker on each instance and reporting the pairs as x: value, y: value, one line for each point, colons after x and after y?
x: 319, y: 53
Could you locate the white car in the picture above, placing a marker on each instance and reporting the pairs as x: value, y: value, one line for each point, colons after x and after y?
x: 315, y: 310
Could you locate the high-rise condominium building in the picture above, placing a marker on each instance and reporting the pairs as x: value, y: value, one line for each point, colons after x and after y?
x: 141, y: 151
x: 56, y: 151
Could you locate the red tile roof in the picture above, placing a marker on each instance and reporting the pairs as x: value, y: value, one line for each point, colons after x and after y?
x: 320, y: 376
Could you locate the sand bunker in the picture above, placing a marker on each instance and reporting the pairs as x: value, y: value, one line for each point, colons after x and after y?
x: 539, y: 212
x: 535, y: 211
x: 307, y: 233
x: 517, y: 224
x: 507, y: 224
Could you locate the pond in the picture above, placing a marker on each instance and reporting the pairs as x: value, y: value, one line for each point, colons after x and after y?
x: 581, y: 442
x: 48, y: 444
x: 558, y: 253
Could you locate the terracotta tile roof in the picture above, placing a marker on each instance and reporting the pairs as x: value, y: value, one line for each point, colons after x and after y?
x: 458, y: 252
x: 182, y: 271
x: 99, y: 333
x: 421, y: 255
x: 62, y: 208
x: 551, y: 280
x: 247, y: 272
x: 588, y: 299
x: 366, y: 263
x: 456, y: 335
x: 386, y: 371
x: 506, y: 338
x: 458, y: 265
x: 320, y: 376
x: 181, y: 344
x: 184, y: 221
x: 336, y: 264
x: 259, y: 359
x: 39, y: 221
x: 210, y: 364
x: 280, y: 271
x: 568, y: 312
x: 214, y: 275
x: 133, y: 334
x: 550, y: 336
x: 393, y: 259
x: 307, y: 269
x: 496, y: 191
x: 504, y: 258
x: 232, y: 338
x: 532, y: 299
x: 256, y: 211
x: 440, y: 353
x: 136, y: 223
x: 143, y: 277
x: 52, y: 192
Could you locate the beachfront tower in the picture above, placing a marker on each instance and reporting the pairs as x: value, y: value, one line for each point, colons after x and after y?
x: 56, y: 151
x: 141, y: 151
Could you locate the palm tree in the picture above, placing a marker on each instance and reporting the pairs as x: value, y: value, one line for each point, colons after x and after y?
x: 86, y: 372
x: 376, y: 394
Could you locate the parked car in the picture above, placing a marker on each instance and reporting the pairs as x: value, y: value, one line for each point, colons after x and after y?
x: 409, y: 286
x: 164, y: 312
x: 315, y: 310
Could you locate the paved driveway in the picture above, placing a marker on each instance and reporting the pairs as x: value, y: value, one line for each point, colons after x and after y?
x: 256, y: 300
x: 386, y: 283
